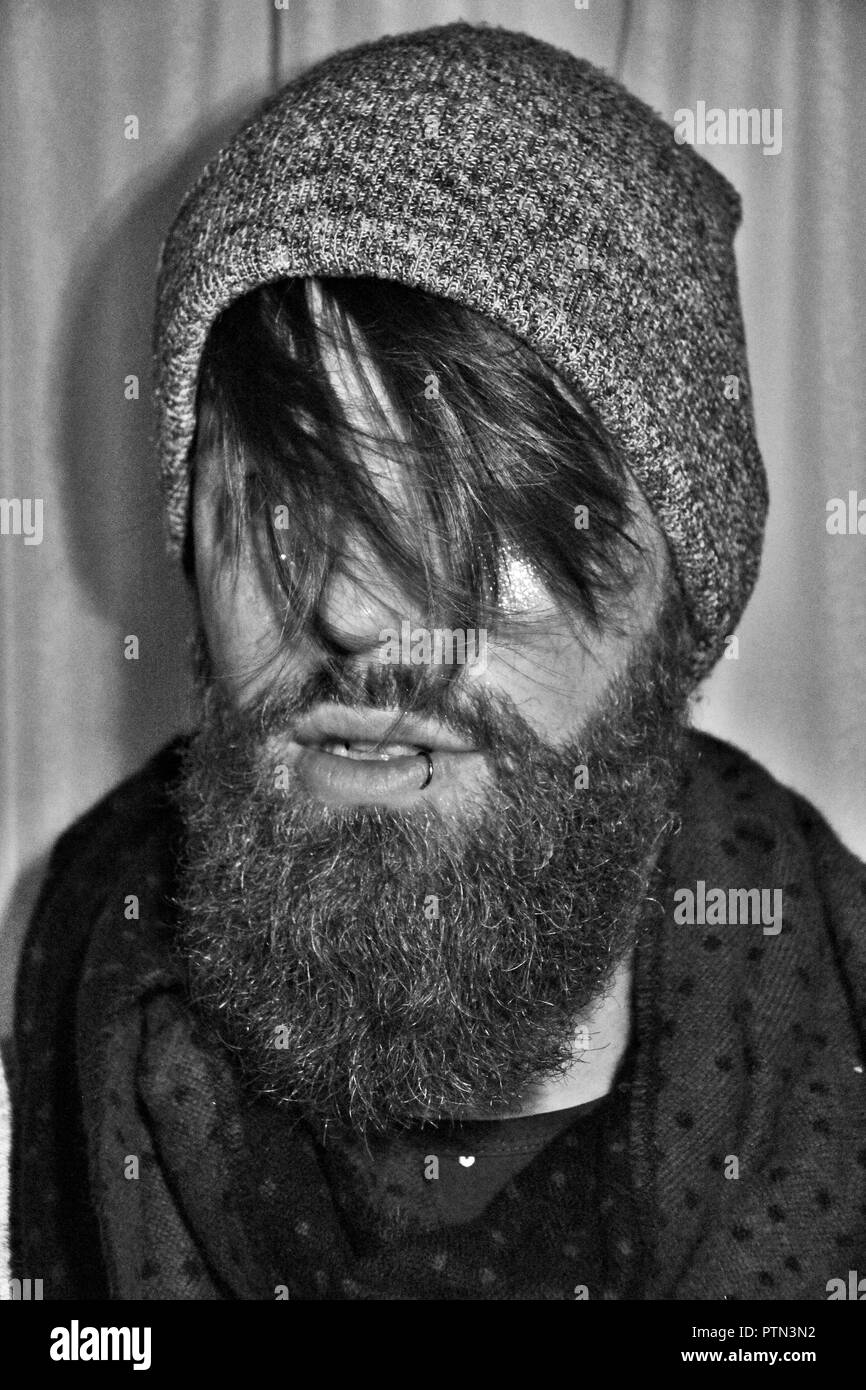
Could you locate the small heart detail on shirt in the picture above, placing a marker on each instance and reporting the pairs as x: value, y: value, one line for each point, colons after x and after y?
x: 467, y: 1162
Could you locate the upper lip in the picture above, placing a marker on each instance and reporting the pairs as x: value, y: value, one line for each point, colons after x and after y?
x: 375, y: 726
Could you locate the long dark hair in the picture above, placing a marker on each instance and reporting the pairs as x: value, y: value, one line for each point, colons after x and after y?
x: 494, y: 449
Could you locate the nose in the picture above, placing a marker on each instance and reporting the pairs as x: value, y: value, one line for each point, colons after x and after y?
x: 359, y: 600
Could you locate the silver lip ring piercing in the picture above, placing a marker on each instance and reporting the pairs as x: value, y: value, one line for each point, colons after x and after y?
x: 429, y: 778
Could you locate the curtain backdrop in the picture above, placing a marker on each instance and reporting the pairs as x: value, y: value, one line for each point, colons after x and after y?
x: 84, y: 210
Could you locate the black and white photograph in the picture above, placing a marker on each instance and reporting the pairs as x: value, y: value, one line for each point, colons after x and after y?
x: 433, y: 554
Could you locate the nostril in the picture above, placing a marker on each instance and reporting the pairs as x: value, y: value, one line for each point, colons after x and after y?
x: 339, y: 641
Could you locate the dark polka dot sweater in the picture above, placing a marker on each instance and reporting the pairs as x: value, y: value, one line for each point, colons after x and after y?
x: 729, y: 1163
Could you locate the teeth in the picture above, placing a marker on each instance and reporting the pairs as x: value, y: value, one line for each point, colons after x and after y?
x: 366, y: 749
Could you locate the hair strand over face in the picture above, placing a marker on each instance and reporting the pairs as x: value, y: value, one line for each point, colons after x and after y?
x: 495, y: 453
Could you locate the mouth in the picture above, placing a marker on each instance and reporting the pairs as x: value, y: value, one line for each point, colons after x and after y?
x: 348, y: 756
x: 375, y: 733
x: 382, y: 752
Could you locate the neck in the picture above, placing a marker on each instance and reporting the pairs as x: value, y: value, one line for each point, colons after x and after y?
x: 606, y: 1027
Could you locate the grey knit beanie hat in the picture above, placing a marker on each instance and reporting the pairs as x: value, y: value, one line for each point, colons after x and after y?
x: 492, y: 169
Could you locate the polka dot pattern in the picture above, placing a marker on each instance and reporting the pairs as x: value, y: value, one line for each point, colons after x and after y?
x: 762, y: 1026
x: 730, y: 1164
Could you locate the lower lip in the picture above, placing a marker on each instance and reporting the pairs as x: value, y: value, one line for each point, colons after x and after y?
x: 338, y: 780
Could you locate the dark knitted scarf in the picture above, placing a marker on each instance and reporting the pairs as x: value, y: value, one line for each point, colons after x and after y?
x: 746, y: 1047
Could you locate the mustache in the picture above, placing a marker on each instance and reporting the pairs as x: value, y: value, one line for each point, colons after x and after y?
x: 486, y: 719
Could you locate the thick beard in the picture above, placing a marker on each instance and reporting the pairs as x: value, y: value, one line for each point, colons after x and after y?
x: 375, y: 967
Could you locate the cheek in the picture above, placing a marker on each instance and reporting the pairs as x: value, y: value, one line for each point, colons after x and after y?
x: 545, y: 670
x: 553, y: 680
x: 239, y: 624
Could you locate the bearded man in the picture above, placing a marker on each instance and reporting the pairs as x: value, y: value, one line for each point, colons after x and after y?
x: 444, y: 959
